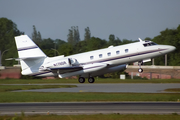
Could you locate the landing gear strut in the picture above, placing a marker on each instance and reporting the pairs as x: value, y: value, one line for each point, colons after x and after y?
x: 140, y: 70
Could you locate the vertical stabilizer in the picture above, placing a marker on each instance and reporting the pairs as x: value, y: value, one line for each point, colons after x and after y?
x: 30, y: 55
x: 27, y: 48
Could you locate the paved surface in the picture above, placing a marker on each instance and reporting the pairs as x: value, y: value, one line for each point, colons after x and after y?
x: 118, y: 87
x: 98, y: 107
x: 91, y: 108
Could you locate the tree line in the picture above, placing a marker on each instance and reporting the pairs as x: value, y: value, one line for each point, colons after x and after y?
x: 73, y: 44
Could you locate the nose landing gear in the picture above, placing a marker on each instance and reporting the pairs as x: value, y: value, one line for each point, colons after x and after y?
x: 140, y: 70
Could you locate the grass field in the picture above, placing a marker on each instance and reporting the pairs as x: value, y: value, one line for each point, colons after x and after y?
x: 7, y: 96
x: 173, y: 116
x: 98, y: 80
x: 4, y: 88
x: 172, y: 90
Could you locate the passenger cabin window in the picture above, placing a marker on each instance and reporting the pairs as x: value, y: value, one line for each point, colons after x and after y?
x: 109, y: 54
x: 126, y: 50
x: 149, y: 44
x: 100, y: 55
x: 117, y: 52
x: 91, y: 57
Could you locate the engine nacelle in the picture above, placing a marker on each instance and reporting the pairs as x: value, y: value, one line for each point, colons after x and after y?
x: 65, y: 62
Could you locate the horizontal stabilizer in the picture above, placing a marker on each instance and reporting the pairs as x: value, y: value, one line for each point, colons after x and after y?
x: 29, y: 58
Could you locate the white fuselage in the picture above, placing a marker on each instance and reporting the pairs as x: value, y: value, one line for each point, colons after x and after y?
x: 108, y: 60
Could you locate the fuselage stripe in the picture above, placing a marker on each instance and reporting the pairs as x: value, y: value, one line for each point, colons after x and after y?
x: 125, y: 56
x: 27, y: 48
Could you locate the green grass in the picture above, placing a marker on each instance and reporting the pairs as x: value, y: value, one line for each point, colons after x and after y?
x: 94, y: 117
x: 172, y: 90
x: 97, y: 80
x: 4, y: 88
x: 7, y: 97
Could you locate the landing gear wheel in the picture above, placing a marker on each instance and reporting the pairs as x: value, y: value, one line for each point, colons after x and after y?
x: 140, y: 70
x: 81, y: 79
x: 91, y: 80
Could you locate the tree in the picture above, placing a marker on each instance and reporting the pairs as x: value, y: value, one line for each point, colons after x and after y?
x: 70, y: 37
x: 76, y: 34
x: 111, y: 39
x: 47, y: 45
x: 39, y: 39
x: 80, y: 47
x: 148, y: 38
x: 73, y: 35
x: 36, y: 36
x: 8, y: 30
x: 66, y: 49
x: 125, y: 41
x: 87, y: 35
x: 169, y: 37
x: 96, y: 43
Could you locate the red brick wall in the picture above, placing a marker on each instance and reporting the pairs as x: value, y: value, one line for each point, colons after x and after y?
x: 10, y: 72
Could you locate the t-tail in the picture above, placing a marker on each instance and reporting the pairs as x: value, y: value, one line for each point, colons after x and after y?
x: 30, y: 55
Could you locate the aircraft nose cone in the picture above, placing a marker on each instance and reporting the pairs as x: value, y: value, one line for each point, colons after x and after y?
x: 172, y: 48
x: 167, y: 49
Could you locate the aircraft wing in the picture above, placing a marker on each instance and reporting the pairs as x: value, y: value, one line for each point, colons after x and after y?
x: 86, y: 68
x: 63, y: 70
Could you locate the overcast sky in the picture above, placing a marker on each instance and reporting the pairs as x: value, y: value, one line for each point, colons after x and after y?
x: 126, y: 19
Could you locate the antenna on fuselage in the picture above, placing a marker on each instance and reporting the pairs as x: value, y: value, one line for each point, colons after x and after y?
x: 140, y: 40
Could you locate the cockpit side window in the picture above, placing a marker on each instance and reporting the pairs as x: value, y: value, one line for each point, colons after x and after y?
x: 149, y: 44
x: 153, y: 43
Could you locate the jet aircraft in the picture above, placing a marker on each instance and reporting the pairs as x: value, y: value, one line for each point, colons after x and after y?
x: 88, y: 64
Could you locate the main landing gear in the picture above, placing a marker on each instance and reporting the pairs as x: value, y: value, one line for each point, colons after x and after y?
x: 140, y: 70
x: 90, y: 79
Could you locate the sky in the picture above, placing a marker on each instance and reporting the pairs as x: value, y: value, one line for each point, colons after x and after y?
x: 126, y: 19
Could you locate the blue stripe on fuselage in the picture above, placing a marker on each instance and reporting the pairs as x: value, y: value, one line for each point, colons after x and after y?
x: 27, y: 48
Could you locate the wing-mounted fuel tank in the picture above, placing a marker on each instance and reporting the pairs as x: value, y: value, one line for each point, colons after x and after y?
x: 65, y: 62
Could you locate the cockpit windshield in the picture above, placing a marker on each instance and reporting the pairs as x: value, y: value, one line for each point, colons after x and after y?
x: 149, y: 44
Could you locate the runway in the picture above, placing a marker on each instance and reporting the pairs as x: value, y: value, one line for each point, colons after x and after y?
x: 111, y: 87
x: 90, y: 108
x: 66, y: 108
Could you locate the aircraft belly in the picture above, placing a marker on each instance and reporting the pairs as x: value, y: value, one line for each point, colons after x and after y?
x: 106, y: 70
x: 47, y: 74
x: 86, y: 69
